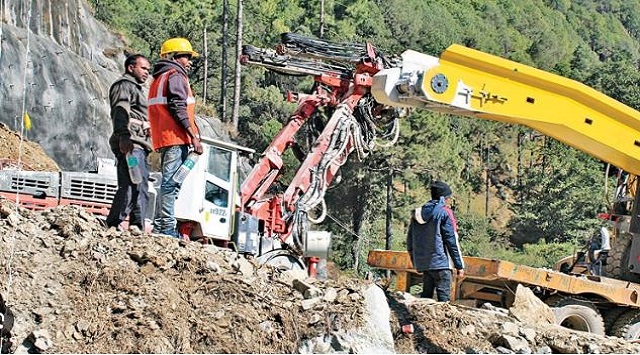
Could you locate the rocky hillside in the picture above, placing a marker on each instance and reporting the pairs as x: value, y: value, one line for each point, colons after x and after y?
x: 71, y: 60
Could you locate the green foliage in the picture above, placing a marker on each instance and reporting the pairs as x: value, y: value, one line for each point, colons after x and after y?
x: 620, y: 80
x: 477, y: 238
x: 558, y: 201
x: 267, y: 19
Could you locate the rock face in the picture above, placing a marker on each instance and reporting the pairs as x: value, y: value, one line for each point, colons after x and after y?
x: 57, y: 62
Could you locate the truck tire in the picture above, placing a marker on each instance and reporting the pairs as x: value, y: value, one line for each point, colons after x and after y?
x: 581, y: 318
x: 282, y: 260
x: 558, y: 301
x: 555, y: 301
x: 610, y: 316
x: 627, y: 326
x: 618, y: 260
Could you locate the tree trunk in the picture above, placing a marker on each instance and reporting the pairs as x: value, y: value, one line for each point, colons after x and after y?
x: 389, y: 216
x: 357, y: 217
x: 236, y: 92
x: 486, y: 186
x: 388, y: 211
x: 206, y: 66
x: 224, y: 64
x: 519, y: 168
x: 321, y: 18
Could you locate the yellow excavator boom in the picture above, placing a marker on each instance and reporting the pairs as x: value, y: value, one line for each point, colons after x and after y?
x: 468, y: 82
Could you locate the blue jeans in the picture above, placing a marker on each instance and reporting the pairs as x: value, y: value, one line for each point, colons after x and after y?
x: 130, y: 199
x: 440, y: 280
x: 171, y: 159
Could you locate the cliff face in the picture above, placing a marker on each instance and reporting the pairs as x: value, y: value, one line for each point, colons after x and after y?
x: 57, y: 63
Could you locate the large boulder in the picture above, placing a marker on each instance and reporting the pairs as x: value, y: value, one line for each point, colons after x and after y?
x: 528, y: 308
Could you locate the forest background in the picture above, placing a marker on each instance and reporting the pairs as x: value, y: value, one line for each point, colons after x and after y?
x: 520, y: 195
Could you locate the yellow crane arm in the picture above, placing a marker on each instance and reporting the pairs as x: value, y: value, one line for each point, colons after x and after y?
x: 468, y: 82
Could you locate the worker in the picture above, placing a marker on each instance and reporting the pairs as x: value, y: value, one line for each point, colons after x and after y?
x: 599, y: 246
x: 130, y: 135
x: 432, y: 243
x: 173, y: 128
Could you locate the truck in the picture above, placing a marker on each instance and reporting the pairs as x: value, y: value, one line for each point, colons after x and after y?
x: 364, y: 93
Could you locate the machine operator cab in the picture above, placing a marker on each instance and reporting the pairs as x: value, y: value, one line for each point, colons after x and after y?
x: 208, y: 209
x: 206, y: 205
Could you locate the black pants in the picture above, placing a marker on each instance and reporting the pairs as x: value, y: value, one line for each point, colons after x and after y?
x: 130, y: 199
x: 438, y: 280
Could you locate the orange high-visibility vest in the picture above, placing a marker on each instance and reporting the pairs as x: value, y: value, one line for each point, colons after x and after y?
x: 165, y: 130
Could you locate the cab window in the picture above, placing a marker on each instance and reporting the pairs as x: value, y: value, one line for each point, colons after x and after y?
x: 220, y: 163
x: 216, y: 195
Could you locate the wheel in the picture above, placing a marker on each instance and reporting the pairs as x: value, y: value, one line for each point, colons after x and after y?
x: 561, y: 301
x: 554, y: 301
x: 581, y: 318
x: 627, y: 326
x: 610, y: 316
x: 282, y: 260
x: 507, y: 298
x: 618, y: 260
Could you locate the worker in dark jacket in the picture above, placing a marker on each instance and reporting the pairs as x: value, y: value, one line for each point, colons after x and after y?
x: 173, y: 129
x: 130, y: 135
x: 432, y: 243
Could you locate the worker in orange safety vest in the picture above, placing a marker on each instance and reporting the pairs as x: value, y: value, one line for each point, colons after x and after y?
x: 172, y: 118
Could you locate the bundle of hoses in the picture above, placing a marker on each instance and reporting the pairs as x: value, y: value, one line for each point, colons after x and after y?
x: 351, y: 52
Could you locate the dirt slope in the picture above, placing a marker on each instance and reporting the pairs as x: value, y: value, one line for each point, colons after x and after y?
x: 75, y: 287
x: 32, y: 155
x: 441, y: 328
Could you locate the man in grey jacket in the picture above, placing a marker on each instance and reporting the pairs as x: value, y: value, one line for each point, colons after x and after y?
x: 130, y: 135
x: 432, y: 243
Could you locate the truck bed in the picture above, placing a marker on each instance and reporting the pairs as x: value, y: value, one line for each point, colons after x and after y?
x: 496, y: 280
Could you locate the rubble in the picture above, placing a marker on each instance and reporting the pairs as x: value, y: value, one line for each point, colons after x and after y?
x: 528, y: 308
x: 449, y: 328
x: 76, y: 287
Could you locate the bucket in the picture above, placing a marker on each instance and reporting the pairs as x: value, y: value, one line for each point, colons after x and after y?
x: 317, y: 244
